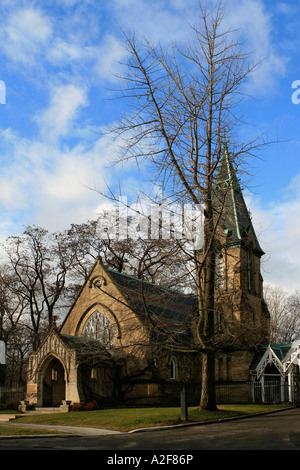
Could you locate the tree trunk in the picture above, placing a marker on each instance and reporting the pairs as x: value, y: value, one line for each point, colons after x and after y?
x: 208, y: 394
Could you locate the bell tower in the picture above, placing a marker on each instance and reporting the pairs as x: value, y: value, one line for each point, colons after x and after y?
x: 240, y: 308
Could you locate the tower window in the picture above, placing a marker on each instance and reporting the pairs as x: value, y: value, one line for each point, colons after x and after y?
x: 219, y: 321
x: 172, y: 369
x: 250, y: 272
x: 219, y: 271
x: 93, y: 373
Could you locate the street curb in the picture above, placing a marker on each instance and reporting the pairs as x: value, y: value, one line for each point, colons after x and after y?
x: 204, y: 423
x: 38, y: 436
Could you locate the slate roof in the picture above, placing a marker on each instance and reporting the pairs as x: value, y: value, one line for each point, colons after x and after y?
x: 228, y: 200
x: 73, y: 342
x: 170, y: 310
x: 87, y: 348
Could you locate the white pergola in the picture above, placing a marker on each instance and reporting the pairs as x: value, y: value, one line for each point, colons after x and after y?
x: 287, y: 367
x: 291, y: 365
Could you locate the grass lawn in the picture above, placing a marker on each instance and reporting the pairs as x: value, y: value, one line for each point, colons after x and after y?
x: 127, y: 419
x: 9, y: 431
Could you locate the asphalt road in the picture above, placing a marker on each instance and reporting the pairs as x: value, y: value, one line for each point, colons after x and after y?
x: 276, y: 431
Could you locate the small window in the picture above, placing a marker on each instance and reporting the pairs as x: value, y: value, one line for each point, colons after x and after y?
x: 219, y: 271
x: 54, y: 374
x: 93, y: 373
x: 219, y: 321
x: 173, y: 369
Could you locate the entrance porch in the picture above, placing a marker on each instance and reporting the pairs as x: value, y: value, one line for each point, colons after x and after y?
x: 52, y: 374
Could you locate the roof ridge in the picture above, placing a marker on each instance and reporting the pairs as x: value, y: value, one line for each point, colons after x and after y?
x: 150, y: 283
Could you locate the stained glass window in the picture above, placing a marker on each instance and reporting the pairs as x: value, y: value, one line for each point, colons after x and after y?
x: 99, y: 327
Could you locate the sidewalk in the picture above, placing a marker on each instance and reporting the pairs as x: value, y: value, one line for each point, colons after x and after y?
x: 67, y: 430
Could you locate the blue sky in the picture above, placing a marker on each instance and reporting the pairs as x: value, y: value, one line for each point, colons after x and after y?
x: 58, y: 62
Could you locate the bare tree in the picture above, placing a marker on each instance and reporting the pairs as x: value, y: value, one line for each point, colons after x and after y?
x: 154, y: 260
x: 284, y: 310
x: 37, y: 268
x: 11, y: 306
x: 183, y: 111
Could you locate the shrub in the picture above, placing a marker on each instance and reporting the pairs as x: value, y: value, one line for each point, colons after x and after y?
x: 91, y: 405
x: 76, y: 407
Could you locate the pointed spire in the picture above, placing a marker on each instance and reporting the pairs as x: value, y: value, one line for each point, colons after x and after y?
x: 226, y: 172
x: 235, y: 218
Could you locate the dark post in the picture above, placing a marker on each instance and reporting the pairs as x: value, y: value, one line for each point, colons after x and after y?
x: 183, y: 402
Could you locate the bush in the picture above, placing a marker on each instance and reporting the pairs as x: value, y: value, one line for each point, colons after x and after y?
x: 91, y: 405
x: 88, y: 406
x: 76, y: 407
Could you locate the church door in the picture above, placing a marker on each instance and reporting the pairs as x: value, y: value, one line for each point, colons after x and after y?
x: 54, y: 384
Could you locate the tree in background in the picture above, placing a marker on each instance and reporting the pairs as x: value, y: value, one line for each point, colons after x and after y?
x: 285, y: 314
x: 34, y: 278
x: 154, y: 260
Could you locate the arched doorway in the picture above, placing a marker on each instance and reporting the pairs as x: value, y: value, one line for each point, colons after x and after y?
x: 54, y: 383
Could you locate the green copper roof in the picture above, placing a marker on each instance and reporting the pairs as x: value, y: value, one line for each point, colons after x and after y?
x: 230, y: 205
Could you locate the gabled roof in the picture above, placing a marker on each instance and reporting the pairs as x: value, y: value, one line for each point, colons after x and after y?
x: 292, y: 356
x: 267, y: 355
x: 88, y: 349
x: 229, y: 203
x: 169, y: 310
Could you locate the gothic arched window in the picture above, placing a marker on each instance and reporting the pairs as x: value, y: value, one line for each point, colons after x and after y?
x: 99, y: 327
x: 251, y: 272
x: 219, y: 271
x: 173, y: 369
x: 219, y: 320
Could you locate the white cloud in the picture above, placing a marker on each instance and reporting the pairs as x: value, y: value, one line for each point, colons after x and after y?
x: 160, y: 22
x: 50, y: 185
x: 58, y: 119
x: 46, y: 178
x: 254, y: 23
x: 109, y: 55
x: 24, y: 34
x: 278, y: 229
x: 65, y: 193
x: 62, y: 51
x: 285, y: 9
x: 157, y: 20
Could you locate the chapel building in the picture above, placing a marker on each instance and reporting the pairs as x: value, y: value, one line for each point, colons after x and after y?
x: 128, y: 341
